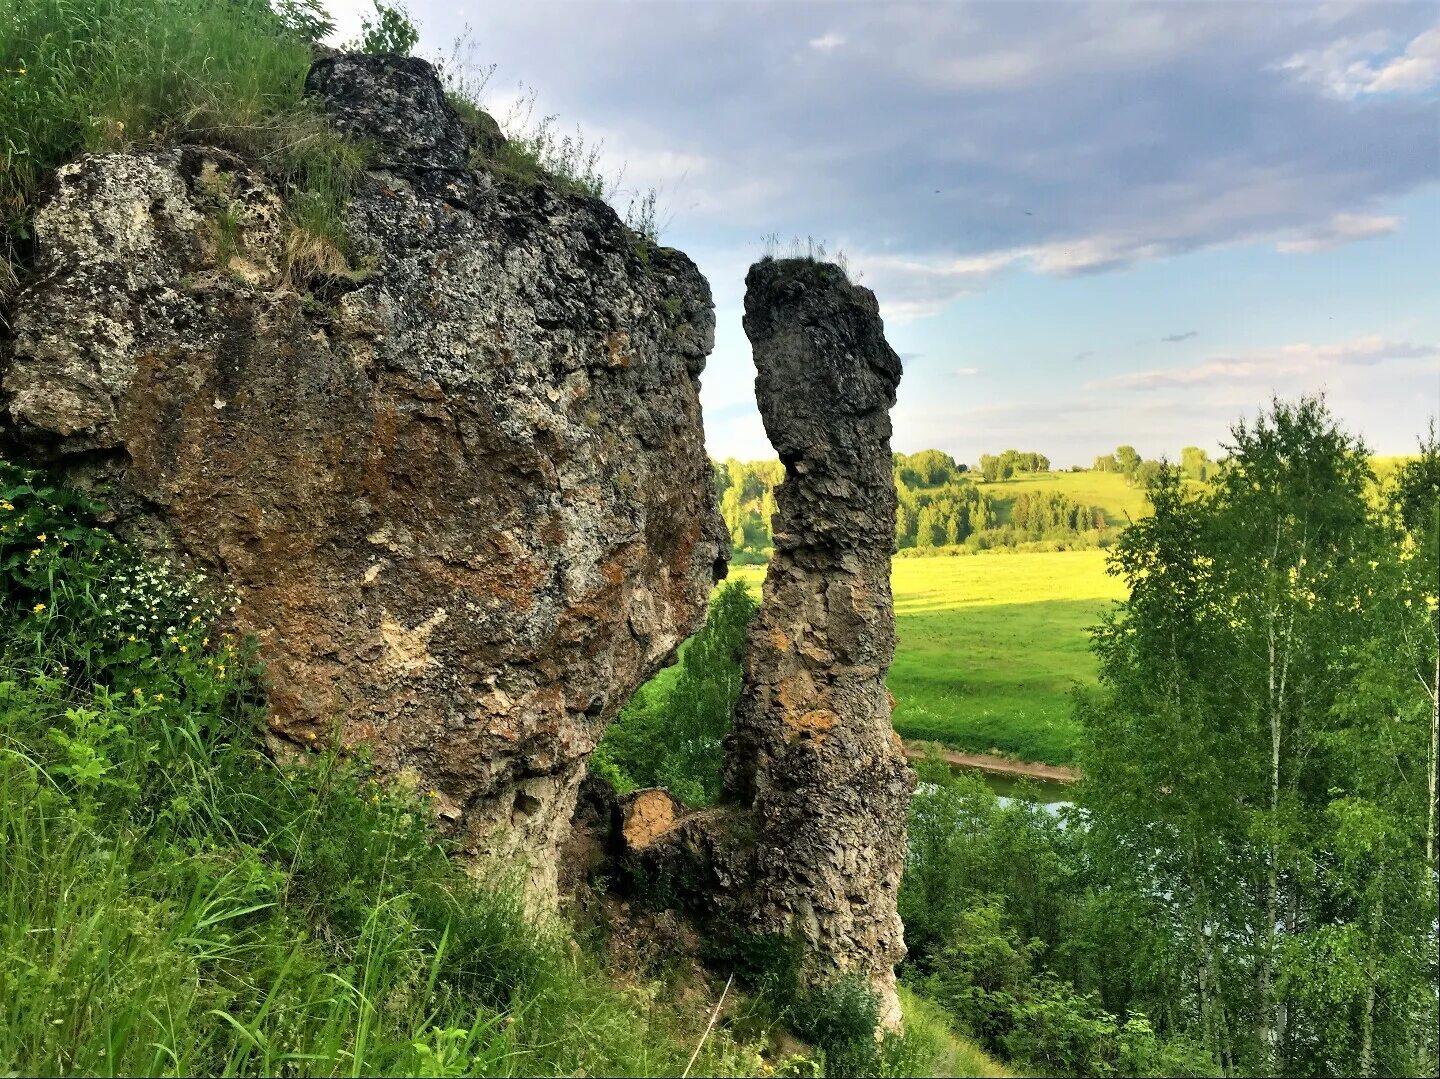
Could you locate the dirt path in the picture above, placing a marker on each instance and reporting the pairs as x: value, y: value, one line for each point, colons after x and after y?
x: 1004, y: 766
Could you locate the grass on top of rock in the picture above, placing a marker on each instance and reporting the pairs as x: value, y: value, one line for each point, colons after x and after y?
x: 172, y: 901
x: 93, y: 76
x: 96, y: 76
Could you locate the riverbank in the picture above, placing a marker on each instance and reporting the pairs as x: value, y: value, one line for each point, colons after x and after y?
x: 987, y: 762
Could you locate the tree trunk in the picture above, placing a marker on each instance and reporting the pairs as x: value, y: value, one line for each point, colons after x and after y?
x: 1367, y: 1032
x: 1263, y: 988
x: 1434, y: 750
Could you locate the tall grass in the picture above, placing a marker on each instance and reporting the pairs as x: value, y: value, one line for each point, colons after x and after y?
x: 174, y: 902
x: 99, y: 75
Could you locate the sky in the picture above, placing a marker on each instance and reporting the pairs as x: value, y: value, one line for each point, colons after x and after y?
x: 1086, y: 224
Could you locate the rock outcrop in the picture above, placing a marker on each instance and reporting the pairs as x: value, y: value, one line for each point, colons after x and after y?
x: 812, y: 753
x: 461, y: 492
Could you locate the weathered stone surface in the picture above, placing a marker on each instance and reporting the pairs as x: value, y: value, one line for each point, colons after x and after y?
x: 812, y: 752
x: 647, y: 815
x: 396, y: 104
x: 463, y: 497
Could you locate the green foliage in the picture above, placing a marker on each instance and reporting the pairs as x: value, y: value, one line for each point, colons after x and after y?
x: 390, y: 32
x: 174, y: 902
x: 1257, y: 742
x: 306, y: 19
x: 103, y: 75
x: 839, y: 1017
x: 938, y: 509
x: 993, y: 899
x: 670, y: 735
x: 1011, y: 463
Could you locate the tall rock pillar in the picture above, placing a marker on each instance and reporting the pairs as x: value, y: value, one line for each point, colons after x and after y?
x: 812, y: 752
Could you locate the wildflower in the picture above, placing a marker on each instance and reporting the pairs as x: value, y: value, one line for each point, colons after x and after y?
x: 41, y: 538
x: 184, y: 648
x: 38, y: 608
x: 434, y: 794
x: 159, y: 696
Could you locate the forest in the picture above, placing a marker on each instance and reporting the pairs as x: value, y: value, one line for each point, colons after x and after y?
x: 940, y: 506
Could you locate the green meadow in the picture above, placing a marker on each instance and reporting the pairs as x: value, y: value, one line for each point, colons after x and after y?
x: 1121, y: 500
x: 990, y: 646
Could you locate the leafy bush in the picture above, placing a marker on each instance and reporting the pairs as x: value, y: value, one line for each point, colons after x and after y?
x: 672, y: 733
x: 1001, y: 926
x: 390, y: 32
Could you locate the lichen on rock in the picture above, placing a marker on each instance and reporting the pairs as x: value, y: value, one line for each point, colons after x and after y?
x: 462, y: 497
x: 813, y: 754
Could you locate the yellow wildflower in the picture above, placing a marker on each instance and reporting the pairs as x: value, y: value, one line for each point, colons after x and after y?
x: 159, y: 696
x: 41, y: 538
x: 38, y: 608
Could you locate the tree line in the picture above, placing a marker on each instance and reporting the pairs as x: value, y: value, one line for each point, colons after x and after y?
x: 1195, y: 464
x: 938, y: 506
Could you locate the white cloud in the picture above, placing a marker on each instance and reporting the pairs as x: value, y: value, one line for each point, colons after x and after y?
x: 827, y: 42
x: 1267, y: 366
x: 1340, y: 229
x: 1352, y: 67
x: 967, y: 371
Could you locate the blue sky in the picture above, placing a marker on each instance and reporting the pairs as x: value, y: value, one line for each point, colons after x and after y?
x: 1086, y: 223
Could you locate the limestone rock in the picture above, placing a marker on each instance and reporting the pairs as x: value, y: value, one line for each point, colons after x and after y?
x: 647, y: 815
x: 462, y: 494
x: 812, y: 753
x: 394, y: 102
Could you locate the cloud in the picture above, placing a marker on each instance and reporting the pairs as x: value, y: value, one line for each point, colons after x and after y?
x: 958, y: 142
x: 1175, y: 337
x: 966, y: 371
x: 1353, y: 67
x: 1340, y: 229
x: 1080, y: 357
x: 1310, y: 362
x: 1161, y: 411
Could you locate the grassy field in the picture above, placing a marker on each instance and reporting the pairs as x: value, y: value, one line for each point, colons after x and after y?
x: 1111, y: 491
x: 990, y: 646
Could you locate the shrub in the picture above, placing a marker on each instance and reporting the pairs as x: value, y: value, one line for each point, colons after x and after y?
x: 672, y: 733
x: 390, y: 32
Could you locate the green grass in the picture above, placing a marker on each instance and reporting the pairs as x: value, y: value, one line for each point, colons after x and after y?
x: 99, y: 75
x: 990, y: 646
x: 926, y: 1022
x: 1108, y: 490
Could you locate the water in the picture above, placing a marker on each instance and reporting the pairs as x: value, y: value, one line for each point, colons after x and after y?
x: 1053, y: 796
